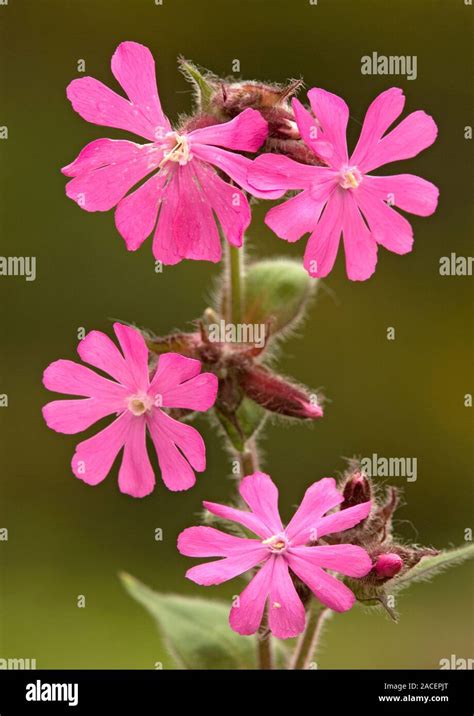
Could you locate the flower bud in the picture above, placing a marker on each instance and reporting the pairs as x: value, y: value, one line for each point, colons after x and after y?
x: 277, y: 291
x: 388, y: 565
x: 356, y: 490
x: 184, y: 343
x: 277, y: 395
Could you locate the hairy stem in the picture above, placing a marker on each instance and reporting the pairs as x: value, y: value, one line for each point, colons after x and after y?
x: 249, y: 461
x: 235, y: 273
x: 308, y: 642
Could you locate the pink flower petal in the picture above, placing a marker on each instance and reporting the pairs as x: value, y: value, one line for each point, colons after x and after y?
x: 102, y: 153
x: 136, y: 213
x: 133, y: 67
x: 74, y: 416
x: 311, y: 132
x: 387, y: 226
x: 318, y: 499
x: 417, y: 132
x: 199, y: 393
x: 242, y: 517
x: 222, y: 570
x: 136, y: 476
x: 135, y: 352
x: 285, y: 610
x: 299, y: 214
x: 165, y: 248
x: 348, y: 559
x: 65, y: 376
x: 322, y: 246
x: 172, y: 370
x: 102, y: 188
x: 343, y: 520
x: 325, y: 587
x: 261, y: 495
x: 408, y: 192
x: 278, y: 173
x: 98, y: 350
x: 246, y: 615
x: 209, y: 542
x: 179, y: 447
x: 244, y: 133
x: 293, y: 218
x: 333, y: 114
x: 229, y: 203
x: 235, y: 166
x: 94, y: 457
x: 98, y: 104
x: 194, y: 228
x: 359, y: 244
x: 383, y: 111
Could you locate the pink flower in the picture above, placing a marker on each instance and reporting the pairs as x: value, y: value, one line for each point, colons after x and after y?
x: 344, y: 197
x: 279, y: 549
x: 136, y: 400
x: 179, y: 200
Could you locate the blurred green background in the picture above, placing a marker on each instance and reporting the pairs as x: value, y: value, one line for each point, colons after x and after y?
x: 395, y: 398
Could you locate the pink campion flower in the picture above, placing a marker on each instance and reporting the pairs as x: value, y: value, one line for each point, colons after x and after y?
x: 277, y: 550
x: 343, y: 197
x: 178, y: 201
x: 137, y: 401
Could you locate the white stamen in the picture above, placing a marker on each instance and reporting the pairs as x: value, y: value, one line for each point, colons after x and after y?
x: 176, y: 148
x: 350, y: 178
x: 139, y: 404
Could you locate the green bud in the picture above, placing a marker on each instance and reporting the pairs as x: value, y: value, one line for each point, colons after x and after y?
x: 276, y: 292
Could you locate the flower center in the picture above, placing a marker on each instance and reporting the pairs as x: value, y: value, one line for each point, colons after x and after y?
x: 176, y: 148
x: 350, y: 178
x: 276, y: 543
x: 139, y: 404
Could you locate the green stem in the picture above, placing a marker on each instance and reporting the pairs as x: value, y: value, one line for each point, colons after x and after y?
x: 235, y: 268
x: 264, y: 648
x: 249, y: 456
x: 309, y: 640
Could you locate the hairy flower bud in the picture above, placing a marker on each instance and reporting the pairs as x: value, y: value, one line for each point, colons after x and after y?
x: 388, y: 565
x: 277, y: 395
x: 356, y: 490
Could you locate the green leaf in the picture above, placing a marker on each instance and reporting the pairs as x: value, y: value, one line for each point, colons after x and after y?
x: 276, y: 291
x: 196, y: 631
x: 430, y: 566
x: 204, y: 88
x: 250, y: 417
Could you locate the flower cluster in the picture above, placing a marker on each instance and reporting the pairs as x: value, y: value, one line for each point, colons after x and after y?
x: 192, y: 170
x: 186, y: 185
